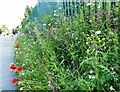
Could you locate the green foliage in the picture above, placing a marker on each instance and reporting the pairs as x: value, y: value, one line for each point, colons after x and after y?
x: 69, y: 55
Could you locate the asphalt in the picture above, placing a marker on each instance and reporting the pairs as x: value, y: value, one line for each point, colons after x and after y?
x: 6, y: 57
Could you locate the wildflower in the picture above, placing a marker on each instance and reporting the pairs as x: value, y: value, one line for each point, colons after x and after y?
x: 78, y: 42
x: 54, y: 11
x: 23, y: 74
x: 55, y: 83
x: 49, y: 24
x: 60, y: 8
x: 19, y: 69
x: 44, y: 24
x: 111, y: 33
x: 12, y: 66
x: 93, y: 77
x: 76, y: 38
x: 111, y: 88
x: 99, y: 6
x: 23, y: 84
x: 82, y: 33
x: 91, y: 71
x: 90, y: 77
x: 21, y: 88
x: 88, y: 4
x: 86, y: 43
x: 19, y: 83
x: 105, y: 48
x: 72, y: 35
x: 49, y: 82
x: 14, y: 80
x: 87, y: 51
x: 17, y: 46
x: 98, y: 15
x: 72, y: 62
x: 55, y: 14
x: 99, y: 41
x: 67, y: 29
x: 52, y: 87
x: 33, y: 42
x: 89, y: 38
x: 98, y: 32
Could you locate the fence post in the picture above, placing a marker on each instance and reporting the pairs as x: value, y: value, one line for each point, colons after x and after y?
x: 84, y: 7
x: 74, y: 7
x: 68, y: 12
x: 89, y: 8
x: 78, y: 10
x: 104, y: 10
x: 96, y: 9
x: 64, y: 7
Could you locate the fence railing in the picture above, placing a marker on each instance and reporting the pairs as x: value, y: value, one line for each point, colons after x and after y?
x: 87, y: 8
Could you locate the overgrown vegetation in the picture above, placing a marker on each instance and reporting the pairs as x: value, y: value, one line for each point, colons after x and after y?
x: 69, y: 55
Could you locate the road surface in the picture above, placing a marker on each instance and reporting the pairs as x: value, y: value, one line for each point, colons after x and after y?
x: 6, y: 57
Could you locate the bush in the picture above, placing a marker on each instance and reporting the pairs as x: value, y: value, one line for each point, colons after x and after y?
x: 72, y: 55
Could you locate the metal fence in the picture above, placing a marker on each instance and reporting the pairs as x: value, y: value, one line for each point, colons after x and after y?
x: 86, y: 8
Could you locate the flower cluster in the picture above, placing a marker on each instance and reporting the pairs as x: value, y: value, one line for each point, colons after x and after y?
x: 14, y: 68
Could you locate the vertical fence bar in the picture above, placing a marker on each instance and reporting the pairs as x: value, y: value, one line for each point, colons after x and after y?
x: 64, y: 7
x: 96, y: 9
x: 104, y: 9
x: 89, y: 8
x: 68, y: 12
x: 60, y: 10
x: 112, y: 15
x: 84, y: 8
x: 71, y: 10
x: 78, y: 6
x: 75, y: 6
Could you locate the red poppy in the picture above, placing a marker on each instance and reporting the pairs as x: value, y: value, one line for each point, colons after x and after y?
x: 19, y: 69
x: 17, y: 46
x: 14, y: 80
x: 12, y: 66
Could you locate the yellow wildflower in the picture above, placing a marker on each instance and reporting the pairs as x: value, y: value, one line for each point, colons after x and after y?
x: 89, y: 38
x: 99, y: 41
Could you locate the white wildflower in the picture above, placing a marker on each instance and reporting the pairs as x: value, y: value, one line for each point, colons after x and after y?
x: 91, y: 71
x: 88, y: 4
x: 93, y: 77
x: 54, y: 11
x: 67, y: 29
x: 49, y: 24
x: 55, y: 14
x: 23, y: 74
x: 98, y: 32
x: 111, y: 88
x: 23, y: 64
x: 19, y: 83
x: 86, y: 42
x: 44, y: 24
x: 60, y: 8
x: 90, y: 20
x: 21, y: 88
x: 111, y: 33
x: 99, y: 6
x: 90, y: 76
x: 33, y: 42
